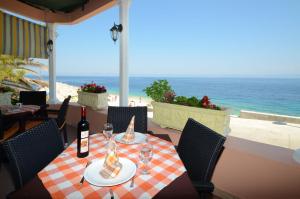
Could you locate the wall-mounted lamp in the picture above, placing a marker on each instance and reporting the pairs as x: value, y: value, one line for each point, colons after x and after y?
x: 50, y: 46
x: 115, y: 30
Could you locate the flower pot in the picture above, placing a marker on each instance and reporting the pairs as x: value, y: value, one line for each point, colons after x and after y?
x: 5, y: 98
x: 175, y: 116
x: 93, y: 100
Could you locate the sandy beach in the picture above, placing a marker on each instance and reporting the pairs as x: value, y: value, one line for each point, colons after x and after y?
x: 64, y: 90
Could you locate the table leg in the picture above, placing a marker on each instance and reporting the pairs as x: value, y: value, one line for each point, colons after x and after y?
x: 22, y: 125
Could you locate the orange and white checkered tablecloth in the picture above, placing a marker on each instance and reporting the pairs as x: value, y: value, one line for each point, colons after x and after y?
x: 61, y: 177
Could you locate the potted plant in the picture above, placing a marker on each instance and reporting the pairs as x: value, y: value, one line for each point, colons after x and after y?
x: 173, y: 111
x: 5, y: 95
x: 93, y: 95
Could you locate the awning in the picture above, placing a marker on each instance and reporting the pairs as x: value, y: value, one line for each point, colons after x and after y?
x: 22, y: 38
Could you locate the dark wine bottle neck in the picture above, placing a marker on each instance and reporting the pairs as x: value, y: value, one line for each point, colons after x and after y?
x: 83, y: 113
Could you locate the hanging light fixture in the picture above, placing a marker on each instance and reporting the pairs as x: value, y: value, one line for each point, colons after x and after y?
x: 115, y: 30
x: 50, y: 46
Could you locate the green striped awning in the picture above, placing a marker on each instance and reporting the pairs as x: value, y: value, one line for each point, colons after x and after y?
x: 22, y: 38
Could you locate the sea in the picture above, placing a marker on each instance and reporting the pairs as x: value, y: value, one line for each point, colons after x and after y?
x: 270, y: 95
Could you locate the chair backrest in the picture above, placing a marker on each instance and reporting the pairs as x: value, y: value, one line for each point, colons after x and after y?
x: 121, y: 116
x: 33, y: 97
x: 32, y: 150
x: 61, y: 117
x: 200, y: 148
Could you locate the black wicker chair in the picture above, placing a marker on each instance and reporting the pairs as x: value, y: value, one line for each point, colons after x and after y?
x: 32, y: 150
x: 121, y: 116
x: 8, y: 129
x: 35, y: 98
x: 61, y: 117
x: 200, y: 148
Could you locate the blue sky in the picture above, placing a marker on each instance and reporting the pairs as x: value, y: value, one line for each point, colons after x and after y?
x: 251, y: 38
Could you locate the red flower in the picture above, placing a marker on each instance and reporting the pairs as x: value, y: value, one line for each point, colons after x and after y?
x: 93, y: 88
x: 205, y: 102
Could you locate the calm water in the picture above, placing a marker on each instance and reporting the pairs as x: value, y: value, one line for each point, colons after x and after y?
x: 280, y: 96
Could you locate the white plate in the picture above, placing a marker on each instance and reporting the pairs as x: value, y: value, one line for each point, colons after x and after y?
x: 92, y: 175
x: 138, y: 138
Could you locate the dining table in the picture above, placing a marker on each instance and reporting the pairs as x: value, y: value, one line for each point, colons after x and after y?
x: 20, y: 114
x: 60, y: 179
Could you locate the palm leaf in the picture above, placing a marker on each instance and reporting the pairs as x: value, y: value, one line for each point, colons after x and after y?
x: 16, y: 86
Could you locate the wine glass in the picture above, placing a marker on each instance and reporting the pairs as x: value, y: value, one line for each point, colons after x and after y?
x: 108, y: 130
x: 145, y: 156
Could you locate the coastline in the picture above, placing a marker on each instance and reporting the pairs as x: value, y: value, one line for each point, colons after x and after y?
x: 285, y: 134
x: 63, y: 90
x: 276, y: 96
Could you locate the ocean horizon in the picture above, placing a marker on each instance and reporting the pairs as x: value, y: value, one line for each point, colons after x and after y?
x: 270, y: 95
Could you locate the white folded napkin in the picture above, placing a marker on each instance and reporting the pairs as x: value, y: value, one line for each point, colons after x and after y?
x: 111, y: 166
x: 129, y: 134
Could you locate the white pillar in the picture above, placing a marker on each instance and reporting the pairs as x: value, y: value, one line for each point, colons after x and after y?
x: 124, y: 20
x: 52, y: 65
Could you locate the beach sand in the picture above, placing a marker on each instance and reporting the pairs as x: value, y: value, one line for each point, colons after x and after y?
x: 268, y: 132
x: 64, y: 90
x: 285, y: 135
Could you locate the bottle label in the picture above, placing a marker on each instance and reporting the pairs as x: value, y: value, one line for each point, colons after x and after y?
x: 84, y: 134
x: 84, y: 143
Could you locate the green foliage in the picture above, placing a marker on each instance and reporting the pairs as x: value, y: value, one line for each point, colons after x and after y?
x: 5, y: 72
x: 158, y: 89
x: 193, y: 101
x: 218, y: 108
x: 181, y: 100
x: 4, y: 89
x: 12, y: 75
x: 13, y: 71
x: 161, y: 91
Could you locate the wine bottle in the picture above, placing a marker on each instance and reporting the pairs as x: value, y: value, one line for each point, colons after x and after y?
x: 83, y: 135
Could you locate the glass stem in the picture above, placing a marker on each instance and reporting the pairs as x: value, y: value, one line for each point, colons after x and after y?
x: 146, y: 168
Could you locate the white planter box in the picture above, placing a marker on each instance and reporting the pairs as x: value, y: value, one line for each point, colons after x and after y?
x: 93, y: 100
x: 5, y: 98
x: 175, y: 117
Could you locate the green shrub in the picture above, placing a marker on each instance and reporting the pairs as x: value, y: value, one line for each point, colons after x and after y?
x: 4, y: 89
x: 161, y: 91
x: 158, y: 89
x: 181, y: 100
x: 193, y: 101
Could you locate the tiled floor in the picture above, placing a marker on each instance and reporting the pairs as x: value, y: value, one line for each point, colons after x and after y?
x: 6, y: 183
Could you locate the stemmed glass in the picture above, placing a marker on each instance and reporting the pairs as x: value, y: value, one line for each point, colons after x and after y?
x: 145, y: 155
x: 108, y: 130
